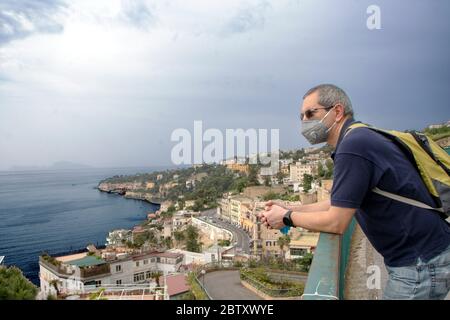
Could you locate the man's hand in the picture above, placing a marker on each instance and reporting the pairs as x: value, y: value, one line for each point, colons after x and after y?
x: 273, y: 216
x: 270, y: 203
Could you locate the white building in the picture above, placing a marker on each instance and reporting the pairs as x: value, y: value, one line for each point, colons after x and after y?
x: 118, y: 237
x: 298, y: 170
x: 73, y: 274
x: 214, y: 232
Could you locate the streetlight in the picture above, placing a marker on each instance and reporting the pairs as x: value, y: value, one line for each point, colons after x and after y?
x: 203, y: 277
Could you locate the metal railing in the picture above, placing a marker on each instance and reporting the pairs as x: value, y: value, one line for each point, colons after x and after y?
x: 326, y: 276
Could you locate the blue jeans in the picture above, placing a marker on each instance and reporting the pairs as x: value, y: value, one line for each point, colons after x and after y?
x: 423, y: 281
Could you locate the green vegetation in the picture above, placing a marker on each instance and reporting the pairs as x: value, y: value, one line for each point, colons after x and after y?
x: 189, y: 237
x: 14, y: 286
x: 147, y: 237
x: 283, y: 242
x: 48, y: 258
x: 224, y: 243
x: 307, y: 180
x: 261, y: 280
x: 97, y: 295
x: 197, y: 292
x: 438, y: 133
x: 192, y: 243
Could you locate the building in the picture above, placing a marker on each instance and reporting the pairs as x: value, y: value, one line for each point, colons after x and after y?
x: 324, y: 191
x: 179, y: 220
x: 286, y: 162
x: 215, y: 233
x: 239, y: 167
x: 247, y: 219
x: 235, y: 208
x: 159, y: 177
x: 118, y: 237
x: 298, y: 169
x: 302, y: 242
x: 210, y: 255
x: 150, y: 185
x: 177, y: 286
x: 79, y: 273
x: 223, y: 209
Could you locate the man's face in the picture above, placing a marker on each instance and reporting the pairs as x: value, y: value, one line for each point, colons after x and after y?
x: 312, y: 110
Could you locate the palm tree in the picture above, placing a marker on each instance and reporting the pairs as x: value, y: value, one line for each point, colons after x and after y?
x: 55, y: 283
x: 156, y: 275
x: 283, y: 242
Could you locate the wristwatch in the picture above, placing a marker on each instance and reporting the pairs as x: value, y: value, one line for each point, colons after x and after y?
x: 287, y: 219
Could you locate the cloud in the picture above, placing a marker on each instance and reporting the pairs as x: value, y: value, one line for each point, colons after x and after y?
x: 22, y: 18
x: 248, y: 17
x: 119, y: 76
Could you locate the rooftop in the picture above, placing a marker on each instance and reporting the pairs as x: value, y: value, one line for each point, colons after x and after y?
x: 177, y: 284
x: 86, y: 261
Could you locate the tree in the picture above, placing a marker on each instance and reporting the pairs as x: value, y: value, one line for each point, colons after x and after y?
x: 267, y: 181
x: 168, y: 243
x: 192, y: 243
x: 283, y: 242
x: 320, y: 170
x: 156, y: 275
x: 307, y: 179
x: 253, y: 176
x: 306, y: 261
x: 270, y: 196
x: 55, y: 283
x: 329, y: 165
x: 14, y: 286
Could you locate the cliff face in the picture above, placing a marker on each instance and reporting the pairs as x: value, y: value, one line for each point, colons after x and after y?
x: 130, y: 190
x: 120, y: 187
x: 444, y: 142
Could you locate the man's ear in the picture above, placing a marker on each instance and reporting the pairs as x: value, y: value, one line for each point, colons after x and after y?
x: 340, y: 112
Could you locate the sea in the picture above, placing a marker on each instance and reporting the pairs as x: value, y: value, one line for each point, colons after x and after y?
x: 60, y: 212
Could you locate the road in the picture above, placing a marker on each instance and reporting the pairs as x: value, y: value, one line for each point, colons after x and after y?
x: 240, y: 236
x: 226, y: 285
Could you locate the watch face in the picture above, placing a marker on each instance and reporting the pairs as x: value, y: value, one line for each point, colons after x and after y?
x: 287, y: 221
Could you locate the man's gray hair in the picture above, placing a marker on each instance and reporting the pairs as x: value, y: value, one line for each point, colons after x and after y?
x: 329, y: 95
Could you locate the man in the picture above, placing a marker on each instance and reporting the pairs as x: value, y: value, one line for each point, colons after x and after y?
x: 414, y: 242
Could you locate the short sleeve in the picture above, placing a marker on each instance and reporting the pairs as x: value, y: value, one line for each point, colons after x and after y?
x: 354, y: 177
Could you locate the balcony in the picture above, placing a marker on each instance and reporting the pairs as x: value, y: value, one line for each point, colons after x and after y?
x: 339, y: 269
x: 93, y: 271
x: 55, y: 266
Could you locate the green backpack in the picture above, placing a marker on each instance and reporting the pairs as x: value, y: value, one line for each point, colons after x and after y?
x: 430, y: 160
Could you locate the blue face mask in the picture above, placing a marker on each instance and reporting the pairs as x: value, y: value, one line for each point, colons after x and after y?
x: 315, y: 131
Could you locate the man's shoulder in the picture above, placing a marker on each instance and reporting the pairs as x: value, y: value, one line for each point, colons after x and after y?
x: 361, y: 141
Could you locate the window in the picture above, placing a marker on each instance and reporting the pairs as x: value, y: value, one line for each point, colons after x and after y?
x: 118, y: 282
x: 148, y: 275
x: 139, y: 277
x: 158, y: 260
x: 137, y: 263
x: 118, y: 268
x: 98, y: 283
x: 146, y: 261
x: 298, y: 252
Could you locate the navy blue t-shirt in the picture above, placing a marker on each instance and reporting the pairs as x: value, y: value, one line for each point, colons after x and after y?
x: 401, y: 233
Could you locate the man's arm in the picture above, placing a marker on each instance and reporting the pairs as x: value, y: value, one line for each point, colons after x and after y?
x: 313, y: 207
x: 334, y: 220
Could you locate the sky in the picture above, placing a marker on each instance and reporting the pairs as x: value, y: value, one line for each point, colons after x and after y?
x: 105, y: 82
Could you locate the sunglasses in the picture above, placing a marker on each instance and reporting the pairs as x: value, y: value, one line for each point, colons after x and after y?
x: 310, y: 112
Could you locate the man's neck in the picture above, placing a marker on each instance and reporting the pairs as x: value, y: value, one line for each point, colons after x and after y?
x: 334, y: 135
